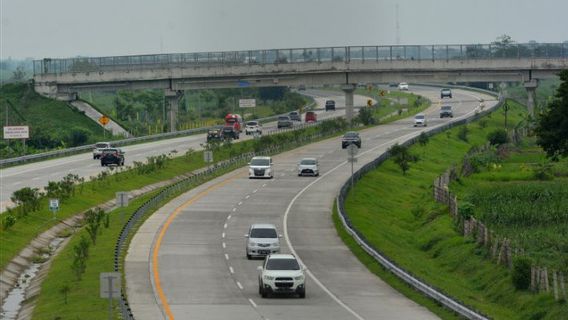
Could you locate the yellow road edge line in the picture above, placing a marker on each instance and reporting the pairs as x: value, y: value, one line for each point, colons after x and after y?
x: 163, y: 231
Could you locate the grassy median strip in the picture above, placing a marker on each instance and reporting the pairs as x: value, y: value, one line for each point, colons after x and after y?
x: 397, y: 214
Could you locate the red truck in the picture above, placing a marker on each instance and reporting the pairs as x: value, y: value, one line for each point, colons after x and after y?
x: 235, y: 121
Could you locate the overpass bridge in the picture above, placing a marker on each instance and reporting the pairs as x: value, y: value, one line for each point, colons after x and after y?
x: 347, y: 66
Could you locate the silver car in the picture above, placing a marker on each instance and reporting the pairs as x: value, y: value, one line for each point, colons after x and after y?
x: 308, y: 166
x: 262, y: 240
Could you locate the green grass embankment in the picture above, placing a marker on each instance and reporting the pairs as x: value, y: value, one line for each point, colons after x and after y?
x: 398, y: 215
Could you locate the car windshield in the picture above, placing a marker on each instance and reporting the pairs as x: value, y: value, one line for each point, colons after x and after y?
x: 330, y: 102
x: 283, y: 118
x: 445, y: 90
x: 282, y: 264
x: 419, y: 117
x: 228, y: 129
x: 308, y: 162
x: 252, y: 123
x: 101, y: 145
x: 260, y: 162
x: 293, y: 113
x: 446, y: 108
x: 351, y: 135
x: 110, y: 151
x: 263, y: 233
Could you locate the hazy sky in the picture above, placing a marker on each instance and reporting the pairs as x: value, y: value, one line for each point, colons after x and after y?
x: 67, y: 28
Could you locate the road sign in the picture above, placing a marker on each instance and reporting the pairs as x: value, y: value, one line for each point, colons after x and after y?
x: 369, y: 103
x: 352, y: 150
x: 16, y: 132
x: 53, y: 204
x: 122, y: 199
x: 247, y: 103
x: 208, y: 156
x: 104, y: 120
x: 382, y: 93
x: 110, y: 284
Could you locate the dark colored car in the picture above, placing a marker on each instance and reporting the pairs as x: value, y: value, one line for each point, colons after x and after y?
x: 295, y: 116
x: 229, y: 132
x: 351, y: 137
x: 330, y: 105
x: 311, y: 117
x: 112, y: 156
x: 284, y: 121
x: 446, y: 111
x: 214, y: 135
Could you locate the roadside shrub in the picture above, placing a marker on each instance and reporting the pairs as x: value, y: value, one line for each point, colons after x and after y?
x: 366, y: 116
x: 462, y: 133
x: 28, y: 199
x: 482, y: 123
x: 521, y: 275
x: 497, y: 137
x: 402, y: 157
x: 8, y: 220
x: 466, y: 209
x: 423, y: 139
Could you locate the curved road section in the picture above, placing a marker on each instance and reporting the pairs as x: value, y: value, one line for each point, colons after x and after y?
x: 38, y: 174
x: 188, y: 260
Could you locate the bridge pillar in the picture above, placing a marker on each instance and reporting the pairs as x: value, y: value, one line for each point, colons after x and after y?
x: 348, y: 89
x: 531, y: 86
x: 172, y: 101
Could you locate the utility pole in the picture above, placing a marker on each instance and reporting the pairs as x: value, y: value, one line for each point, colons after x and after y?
x: 397, y: 26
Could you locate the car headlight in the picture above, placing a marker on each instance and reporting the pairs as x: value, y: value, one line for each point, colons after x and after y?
x: 276, y: 245
x: 269, y: 278
x: 252, y: 244
x: 299, y: 278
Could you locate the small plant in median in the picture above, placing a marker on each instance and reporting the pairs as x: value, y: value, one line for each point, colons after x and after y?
x: 521, y: 275
x: 498, y: 137
x: 80, y: 255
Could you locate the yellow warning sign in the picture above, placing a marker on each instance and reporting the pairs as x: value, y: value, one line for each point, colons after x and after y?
x: 104, y: 120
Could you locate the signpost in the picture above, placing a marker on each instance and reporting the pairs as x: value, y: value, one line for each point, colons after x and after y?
x: 247, y: 103
x: 17, y: 132
x: 208, y: 157
x: 110, y: 288
x: 104, y: 120
x: 122, y: 201
x: 54, y: 206
x: 352, y: 151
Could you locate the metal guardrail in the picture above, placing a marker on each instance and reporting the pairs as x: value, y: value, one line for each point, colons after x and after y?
x: 445, y: 300
x: 120, y: 143
x: 345, y: 54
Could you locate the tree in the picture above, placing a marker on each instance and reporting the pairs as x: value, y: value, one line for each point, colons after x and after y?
x: 19, y: 74
x: 552, y: 125
x: 402, y: 157
x: 366, y: 116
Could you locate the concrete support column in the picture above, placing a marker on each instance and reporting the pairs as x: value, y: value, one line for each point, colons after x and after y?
x: 348, y: 89
x: 172, y: 103
x: 531, y: 86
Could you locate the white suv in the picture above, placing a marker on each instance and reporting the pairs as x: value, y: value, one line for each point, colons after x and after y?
x: 263, y: 239
x: 261, y: 167
x: 281, y: 273
x: 98, y: 150
x: 253, y: 127
x: 308, y: 166
x: 403, y: 86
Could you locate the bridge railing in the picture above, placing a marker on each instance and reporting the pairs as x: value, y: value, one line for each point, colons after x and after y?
x: 304, y: 55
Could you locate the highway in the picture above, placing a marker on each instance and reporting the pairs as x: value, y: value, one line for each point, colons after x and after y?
x: 38, y: 174
x: 188, y: 259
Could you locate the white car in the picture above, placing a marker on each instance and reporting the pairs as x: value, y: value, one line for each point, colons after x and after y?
x: 262, y: 240
x: 420, y: 120
x: 253, y: 127
x: 308, y: 166
x: 281, y: 273
x: 403, y: 86
x: 99, y: 147
x: 261, y: 167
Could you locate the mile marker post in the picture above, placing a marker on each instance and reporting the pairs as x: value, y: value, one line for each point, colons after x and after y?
x: 351, y: 152
x: 121, y: 201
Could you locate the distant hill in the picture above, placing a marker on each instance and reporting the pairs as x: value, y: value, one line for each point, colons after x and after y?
x: 53, y: 124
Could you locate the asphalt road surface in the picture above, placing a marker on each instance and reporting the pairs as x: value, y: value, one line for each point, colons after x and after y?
x: 188, y: 260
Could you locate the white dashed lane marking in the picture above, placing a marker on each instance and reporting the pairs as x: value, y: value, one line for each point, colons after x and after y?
x: 240, y: 285
x: 224, y: 245
x: 252, y: 302
x: 226, y: 256
x: 231, y: 270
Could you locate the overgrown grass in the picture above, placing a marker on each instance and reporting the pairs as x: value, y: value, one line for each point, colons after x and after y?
x: 397, y: 214
x: 524, y: 197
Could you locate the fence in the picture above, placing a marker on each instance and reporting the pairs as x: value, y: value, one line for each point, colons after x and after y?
x: 501, y: 249
x: 347, y: 54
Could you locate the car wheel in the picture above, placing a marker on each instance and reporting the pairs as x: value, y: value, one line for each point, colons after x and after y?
x: 263, y: 292
x: 249, y: 256
x: 259, y: 288
x: 302, y: 294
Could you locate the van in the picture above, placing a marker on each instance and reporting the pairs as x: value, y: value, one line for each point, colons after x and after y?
x: 330, y: 105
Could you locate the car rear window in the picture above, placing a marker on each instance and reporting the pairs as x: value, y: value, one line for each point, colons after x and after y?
x: 328, y: 102
x: 282, y: 264
x: 351, y: 135
x: 263, y: 233
x: 446, y: 108
x: 252, y: 123
x: 101, y: 145
x: 419, y: 117
x: 283, y: 118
